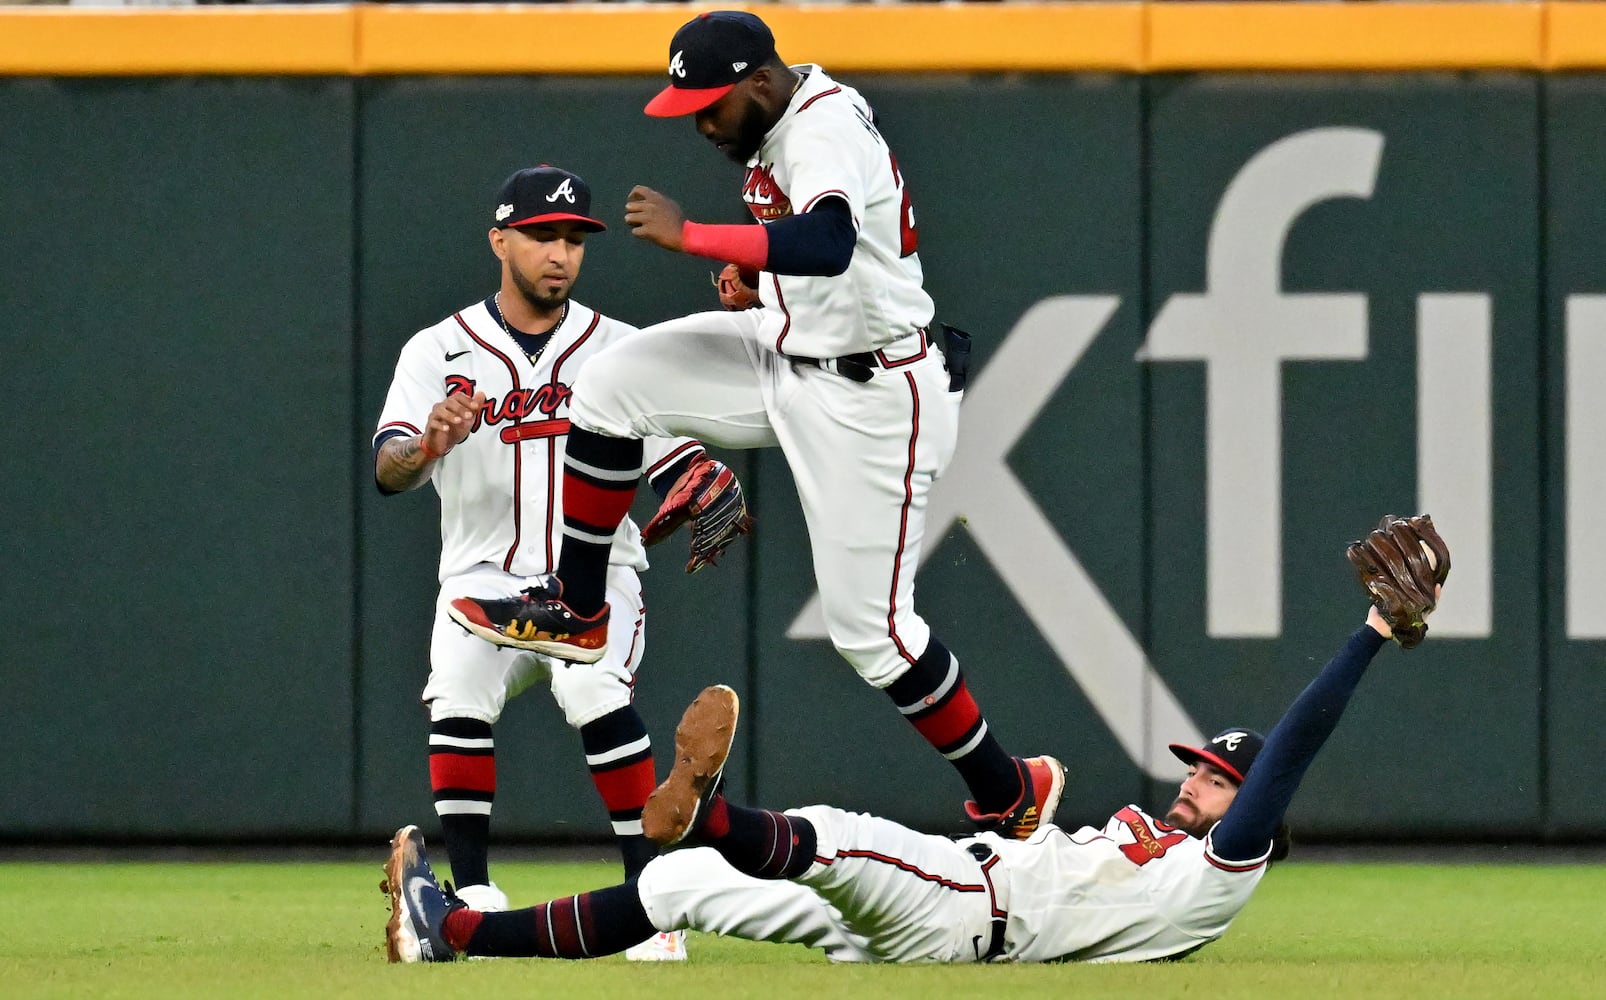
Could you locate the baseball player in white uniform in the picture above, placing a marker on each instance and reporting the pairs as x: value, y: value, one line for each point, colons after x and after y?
x: 480, y: 407
x: 836, y: 367
x: 865, y: 889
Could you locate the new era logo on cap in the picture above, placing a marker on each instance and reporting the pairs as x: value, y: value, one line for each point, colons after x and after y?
x: 709, y: 55
x: 1231, y: 751
x: 544, y: 194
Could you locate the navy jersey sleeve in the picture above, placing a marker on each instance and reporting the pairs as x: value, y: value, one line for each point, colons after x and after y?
x: 817, y: 242
x: 1269, y: 787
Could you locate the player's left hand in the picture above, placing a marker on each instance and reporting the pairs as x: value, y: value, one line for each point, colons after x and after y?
x: 654, y: 217
x: 709, y: 496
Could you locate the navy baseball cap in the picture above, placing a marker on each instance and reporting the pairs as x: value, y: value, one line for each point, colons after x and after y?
x: 1230, y: 751
x: 544, y: 194
x: 709, y: 55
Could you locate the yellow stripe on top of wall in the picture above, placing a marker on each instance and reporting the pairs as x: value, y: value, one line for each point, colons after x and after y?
x: 1324, y: 36
x: 87, y: 41
x: 598, y: 38
x: 1576, y: 36
x: 613, y: 38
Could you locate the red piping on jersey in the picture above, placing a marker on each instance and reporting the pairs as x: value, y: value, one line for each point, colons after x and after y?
x: 635, y: 637
x: 903, y: 523
x: 826, y: 194
x: 1224, y: 866
x: 904, y: 866
x: 596, y: 318
x: 518, y: 465
x: 404, y: 425
x: 992, y: 893
x: 911, y: 359
x: 538, y: 429
x: 824, y: 93
x: 780, y: 303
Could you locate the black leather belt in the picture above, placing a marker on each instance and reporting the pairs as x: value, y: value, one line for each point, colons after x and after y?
x: 858, y: 367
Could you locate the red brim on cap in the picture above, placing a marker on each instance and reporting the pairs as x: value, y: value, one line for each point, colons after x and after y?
x: 536, y: 220
x: 1192, y: 755
x: 673, y: 102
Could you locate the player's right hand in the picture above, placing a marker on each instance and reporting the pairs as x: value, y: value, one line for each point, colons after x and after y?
x: 450, y: 421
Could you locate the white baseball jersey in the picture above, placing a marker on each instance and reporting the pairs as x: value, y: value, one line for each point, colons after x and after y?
x: 1135, y: 891
x: 501, y: 489
x: 825, y: 145
x: 880, y: 892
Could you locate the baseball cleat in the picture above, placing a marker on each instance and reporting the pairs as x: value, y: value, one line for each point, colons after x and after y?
x: 536, y: 620
x: 418, y: 907
x: 702, y: 745
x: 665, y: 946
x: 1043, y: 780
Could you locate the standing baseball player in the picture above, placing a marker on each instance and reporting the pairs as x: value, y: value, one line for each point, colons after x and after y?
x: 836, y: 367
x: 479, y: 406
x: 865, y: 889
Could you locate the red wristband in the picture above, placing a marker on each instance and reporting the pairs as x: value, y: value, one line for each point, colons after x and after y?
x: 423, y: 446
x: 744, y: 246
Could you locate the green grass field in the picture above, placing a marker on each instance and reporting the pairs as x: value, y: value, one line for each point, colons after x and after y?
x: 1314, y: 930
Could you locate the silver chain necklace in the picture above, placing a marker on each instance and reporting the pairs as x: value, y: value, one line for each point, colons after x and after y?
x: 550, y: 334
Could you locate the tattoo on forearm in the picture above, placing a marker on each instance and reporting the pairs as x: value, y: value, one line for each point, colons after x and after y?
x: 402, y: 464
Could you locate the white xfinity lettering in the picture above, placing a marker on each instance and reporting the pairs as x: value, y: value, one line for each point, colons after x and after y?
x: 1243, y: 326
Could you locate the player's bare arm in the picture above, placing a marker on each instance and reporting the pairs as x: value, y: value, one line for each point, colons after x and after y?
x: 654, y: 217
x: 404, y: 463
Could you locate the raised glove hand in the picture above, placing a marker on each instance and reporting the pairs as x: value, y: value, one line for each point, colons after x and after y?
x: 1402, y: 563
x: 707, y: 495
x: 735, y: 291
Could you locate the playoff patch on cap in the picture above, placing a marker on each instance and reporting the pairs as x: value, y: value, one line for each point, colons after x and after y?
x: 544, y: 194
x: 709, y: 55
x: 1232, y: 751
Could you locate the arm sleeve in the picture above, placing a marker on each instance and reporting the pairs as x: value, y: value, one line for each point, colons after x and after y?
x: 818, y: 242
x: 1269, y: 787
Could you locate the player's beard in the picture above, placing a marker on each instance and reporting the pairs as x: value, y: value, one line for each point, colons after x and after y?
x: 1189, y: 820
x: 750, y: 132
x: 538, y: 300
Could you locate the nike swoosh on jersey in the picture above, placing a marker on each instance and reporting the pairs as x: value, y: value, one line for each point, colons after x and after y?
x: 453, y: 357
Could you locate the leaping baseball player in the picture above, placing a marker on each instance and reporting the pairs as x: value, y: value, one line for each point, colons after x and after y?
x: 865, y: 889
x: 836, y: 366
x: 480, y: 407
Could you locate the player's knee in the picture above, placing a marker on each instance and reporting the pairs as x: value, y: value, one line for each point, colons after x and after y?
x: 585, y: 694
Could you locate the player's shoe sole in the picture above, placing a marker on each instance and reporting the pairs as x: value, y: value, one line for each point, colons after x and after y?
x: 665, y: 946
x: 418, y: 907
x: 702, y: 745
x: 540, y: 626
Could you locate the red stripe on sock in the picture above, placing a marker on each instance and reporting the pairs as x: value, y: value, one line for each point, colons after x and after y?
x: 459, y: 927
x: 626, y: 788
x: 564, y: 930
x: 596, y: 506
x: 451, y: 770
x: 718, y: 823
x: 950, y: 722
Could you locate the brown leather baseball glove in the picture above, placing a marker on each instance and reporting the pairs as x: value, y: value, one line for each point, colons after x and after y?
x: 1400, y: 564
x: 736, y: 291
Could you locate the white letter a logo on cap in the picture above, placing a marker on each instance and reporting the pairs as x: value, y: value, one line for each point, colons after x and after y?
x: 564, y: 191
x: 677, y: 64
